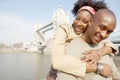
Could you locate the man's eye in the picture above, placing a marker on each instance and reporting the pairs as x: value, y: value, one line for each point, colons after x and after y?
x: 101, y: 27
x: 109, y: 32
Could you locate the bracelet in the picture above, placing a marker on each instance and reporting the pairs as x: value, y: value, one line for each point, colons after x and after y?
x: 100, y: 68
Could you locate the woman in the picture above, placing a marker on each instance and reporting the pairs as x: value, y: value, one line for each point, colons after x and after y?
x: 83, y: 10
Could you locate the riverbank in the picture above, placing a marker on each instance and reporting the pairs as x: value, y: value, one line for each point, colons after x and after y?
x: 20, y: 51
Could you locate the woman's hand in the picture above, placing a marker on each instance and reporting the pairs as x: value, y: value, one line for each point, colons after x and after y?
x: 90, y: 68
x: 91, y: 57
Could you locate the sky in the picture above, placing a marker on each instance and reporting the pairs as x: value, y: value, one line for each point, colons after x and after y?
x: 19, y: 17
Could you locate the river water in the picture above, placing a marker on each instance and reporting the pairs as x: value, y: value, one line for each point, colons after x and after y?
x: 24, y: 66
x: 27, y: 66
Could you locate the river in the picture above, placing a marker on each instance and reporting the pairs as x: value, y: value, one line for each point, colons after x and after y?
x: 24, y: 66
x: 27, y: 66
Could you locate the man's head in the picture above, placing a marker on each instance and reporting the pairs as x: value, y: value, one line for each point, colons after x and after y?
x: 103, y: 23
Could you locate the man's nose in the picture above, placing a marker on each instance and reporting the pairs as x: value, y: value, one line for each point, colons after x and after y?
x: 104, y: 34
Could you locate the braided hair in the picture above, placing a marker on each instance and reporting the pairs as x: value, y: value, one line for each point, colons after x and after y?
x: 96, y: 5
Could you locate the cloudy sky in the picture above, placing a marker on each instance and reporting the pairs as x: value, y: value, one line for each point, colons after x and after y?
x: 18, y: 17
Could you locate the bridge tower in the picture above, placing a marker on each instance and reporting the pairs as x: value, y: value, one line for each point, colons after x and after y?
x: 59, y: 17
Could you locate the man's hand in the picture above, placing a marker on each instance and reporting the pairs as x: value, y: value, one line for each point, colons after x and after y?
x: 107, y: 71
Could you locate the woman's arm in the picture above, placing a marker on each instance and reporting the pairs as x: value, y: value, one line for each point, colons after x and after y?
x: 61, y: 61
x: 109, y: 48
x: 94, y: 55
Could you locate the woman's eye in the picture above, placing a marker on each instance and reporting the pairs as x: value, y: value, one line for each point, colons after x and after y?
x: 85, y: 22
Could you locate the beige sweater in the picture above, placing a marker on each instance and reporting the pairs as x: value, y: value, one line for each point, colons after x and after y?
x: 76, y: 52
x: 61, y: 61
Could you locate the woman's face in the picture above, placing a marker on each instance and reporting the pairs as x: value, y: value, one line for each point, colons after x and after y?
x: 81, y: 21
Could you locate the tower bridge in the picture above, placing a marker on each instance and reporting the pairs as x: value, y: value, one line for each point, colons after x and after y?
x: 59, y: 17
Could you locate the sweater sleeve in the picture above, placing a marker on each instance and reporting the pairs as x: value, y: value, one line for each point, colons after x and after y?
x: 61, y: 61
x: 110, y: 44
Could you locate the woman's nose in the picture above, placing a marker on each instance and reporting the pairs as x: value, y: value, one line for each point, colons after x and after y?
x: 79, y: 23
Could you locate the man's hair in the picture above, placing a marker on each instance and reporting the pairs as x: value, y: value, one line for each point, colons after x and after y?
x: 96, y: 5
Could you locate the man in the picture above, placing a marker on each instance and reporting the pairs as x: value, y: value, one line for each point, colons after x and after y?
x: 102, y: 24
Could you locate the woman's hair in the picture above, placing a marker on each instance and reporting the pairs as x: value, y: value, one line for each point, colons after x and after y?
x: 96, y: 5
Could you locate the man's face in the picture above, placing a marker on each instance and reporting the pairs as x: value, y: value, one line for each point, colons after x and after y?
x: 100, y: 29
